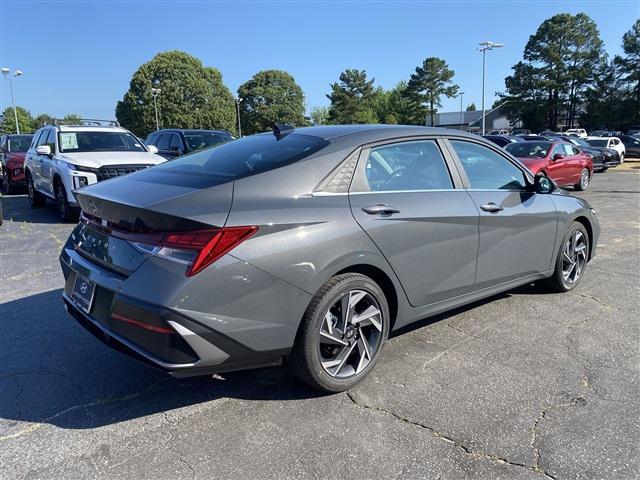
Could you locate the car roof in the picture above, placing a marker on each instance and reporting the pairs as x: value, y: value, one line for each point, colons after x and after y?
x: 190, y: 130
x: 601, y: 138
x: 370, y: 133
x: 89, y: 128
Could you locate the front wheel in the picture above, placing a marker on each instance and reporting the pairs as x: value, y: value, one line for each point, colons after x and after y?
x: 342, y: 333
x: 572, y: 259
x: 36, y: 199
x: 66, y: 212
x: 584, y: 180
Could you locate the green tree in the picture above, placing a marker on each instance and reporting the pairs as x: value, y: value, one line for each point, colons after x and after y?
x: 630, y: 67
x: 8, y: 121
x: 526, y: 100
x: 72, y: 119
x: 604, y: 102
x: 42, y: 120
x: 192, y: 96
x: 429, y: 82
x: 471, y: 107
x: 271, y: 96
x: 352, y: 99
x: 320, y: 115
x: 558, y: 66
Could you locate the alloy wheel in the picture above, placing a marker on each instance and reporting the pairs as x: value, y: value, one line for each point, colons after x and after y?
x: 62, y: 204
x: 584, y: 178
x: 30, y: 190
x: 350, y: 334
x: 574, y: 257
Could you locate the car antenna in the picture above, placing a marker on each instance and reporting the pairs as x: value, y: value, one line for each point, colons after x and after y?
x: 280, y: 130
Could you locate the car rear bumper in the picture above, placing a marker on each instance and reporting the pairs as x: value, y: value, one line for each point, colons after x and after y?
x: 184, y: 340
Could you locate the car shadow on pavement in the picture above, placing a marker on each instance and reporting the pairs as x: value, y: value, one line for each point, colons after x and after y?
x: 53, y: 371
x: 16, y: 208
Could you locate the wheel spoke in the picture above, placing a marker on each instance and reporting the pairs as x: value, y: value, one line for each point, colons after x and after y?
x: 365, y: 353
x: 369, y: 316
x: 331, y: 339
x: 337, y: 363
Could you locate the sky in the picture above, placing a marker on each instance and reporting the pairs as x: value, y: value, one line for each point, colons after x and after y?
x: 79, y: 56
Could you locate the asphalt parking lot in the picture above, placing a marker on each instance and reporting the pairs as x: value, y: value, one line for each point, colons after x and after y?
x: 523, y: 385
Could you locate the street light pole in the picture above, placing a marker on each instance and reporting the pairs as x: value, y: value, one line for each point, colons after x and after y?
x: 155, y: 91
x: 6, y: 72
x: 484, y: 46
x: 461, y: 111
x: 238, y: 100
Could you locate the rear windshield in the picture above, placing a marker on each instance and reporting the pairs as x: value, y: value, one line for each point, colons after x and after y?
x: 598, y: 143
x: 244, y: 157
x: 87, y: 141
x: 528, y: 149
x: 20, y: 143
x: 200, y: 140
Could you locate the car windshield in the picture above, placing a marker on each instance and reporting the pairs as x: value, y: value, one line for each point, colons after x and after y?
x: 528, y: 149
x: 246, y: 156
x: 200, y: 140
x: 20, y: 143
x: 88, y: 141
x: 598, y: 143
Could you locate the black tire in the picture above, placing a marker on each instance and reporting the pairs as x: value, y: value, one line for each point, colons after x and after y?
x: 304, y: 359
x: 36, y: 199
x: 557, y: 282
x: 585, y: 179
x: 7, y: 188
x: 65, y: 211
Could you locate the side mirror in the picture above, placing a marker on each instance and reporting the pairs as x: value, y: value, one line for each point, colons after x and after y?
x: 543, y: 184
x: 558, y: 156
x: 152, y: 149
x: 44, y: 150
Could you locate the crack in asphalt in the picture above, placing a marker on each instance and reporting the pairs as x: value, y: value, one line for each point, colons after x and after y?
x: 170, y: 446
x: 445, y: 438
x: 33, y: 426
x: 599, y: 302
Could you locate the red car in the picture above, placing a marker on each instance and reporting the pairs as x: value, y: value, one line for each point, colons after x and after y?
x: 12, y: 152
x: 561, y: 161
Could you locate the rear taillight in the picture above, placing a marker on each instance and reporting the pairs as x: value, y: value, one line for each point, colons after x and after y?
x: 206, y: 245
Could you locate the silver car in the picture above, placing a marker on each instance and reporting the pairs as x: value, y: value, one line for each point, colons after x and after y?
x: 311, y: 245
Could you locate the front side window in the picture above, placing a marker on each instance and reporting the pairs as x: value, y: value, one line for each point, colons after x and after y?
x: 51, y: 140
x: 96, y: 141
x: 176, y: 143
x: 416, y: 165
x: 42, y: 140
x: 486, y: 170
x: 163, y: 141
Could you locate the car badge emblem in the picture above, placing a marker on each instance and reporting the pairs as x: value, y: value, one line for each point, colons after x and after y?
x: 84, y: 287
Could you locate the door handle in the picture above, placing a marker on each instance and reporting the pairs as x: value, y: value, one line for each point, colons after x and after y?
x: 380, y: 209
x: 491, y: 207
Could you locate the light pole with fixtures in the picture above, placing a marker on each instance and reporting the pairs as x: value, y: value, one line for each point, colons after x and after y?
x: 484, y: 46
x: 238, y: 100
x: 155, y: 91
x: 7, y: 74
x: 461, y: 111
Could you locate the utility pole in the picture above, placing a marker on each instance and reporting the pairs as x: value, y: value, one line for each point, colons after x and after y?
x: 484, y: 46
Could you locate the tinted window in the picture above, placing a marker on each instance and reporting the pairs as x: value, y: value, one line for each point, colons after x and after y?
x: 97, y: 141
x: 199, y: 140
x: 19, y: 143
x: 151, y: 139
x: 163, y: 141
x: 407, y: 166
x: 486, y: 169
x: 529, y: 149
x: 43, y: 138
x: 244, y: 157
x: 598, y: 143
x: 51, y: 140
x: 176, y: 143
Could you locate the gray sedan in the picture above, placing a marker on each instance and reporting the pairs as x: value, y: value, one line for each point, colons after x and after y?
x: 311, y: 245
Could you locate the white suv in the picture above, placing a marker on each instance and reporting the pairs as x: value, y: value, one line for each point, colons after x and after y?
x: 613, y: 143
x: 63, y: 158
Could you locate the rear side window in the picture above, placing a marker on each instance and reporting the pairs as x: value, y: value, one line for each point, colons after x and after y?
x: 244, y: 157
x: 417, y: 165
x: 486, y: 170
